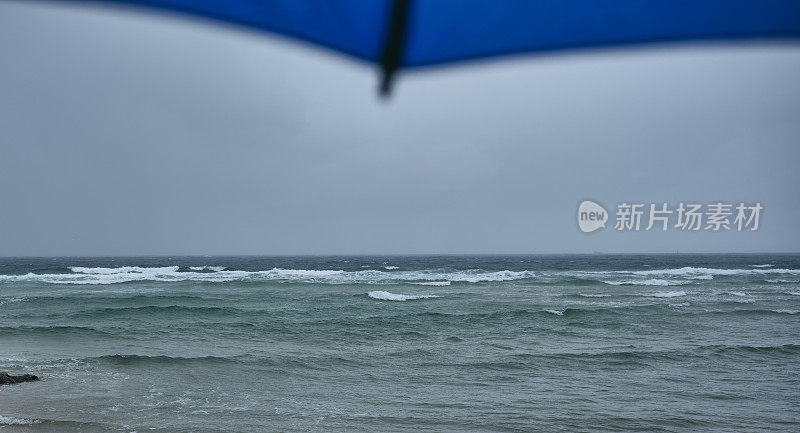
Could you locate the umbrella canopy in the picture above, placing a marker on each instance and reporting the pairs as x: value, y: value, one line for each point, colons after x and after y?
x: 412, y: 33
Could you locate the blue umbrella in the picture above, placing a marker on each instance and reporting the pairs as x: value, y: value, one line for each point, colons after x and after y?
x: 399, y: 34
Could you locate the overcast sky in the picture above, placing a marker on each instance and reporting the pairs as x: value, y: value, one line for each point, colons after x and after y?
x: 128, y: 133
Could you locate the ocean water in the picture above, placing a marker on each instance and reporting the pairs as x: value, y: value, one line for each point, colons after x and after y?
x: 672, y: 343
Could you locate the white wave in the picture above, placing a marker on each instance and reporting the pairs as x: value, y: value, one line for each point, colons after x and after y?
x: 388, y: 296
x: 761, y: 266
x: 556, y: 312
x: 122, y: 270
x: 793, y: 293
x: 781, y: 280
x: 658, y: 277
x: 650, y: 282
x: 433, y: 283
x: 10, y: 420
x: 738, y: 293
x: 672, y: 276
x: 689, y: 271
x: 786, y: 311
x: 674, y: 294
x: 125, y: 274
x: 592, y: 295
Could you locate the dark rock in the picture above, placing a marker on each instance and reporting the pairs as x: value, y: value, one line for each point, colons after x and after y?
x: 7, y: 379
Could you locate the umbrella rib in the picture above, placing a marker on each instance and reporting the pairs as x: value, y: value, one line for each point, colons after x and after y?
x: 395, y: 41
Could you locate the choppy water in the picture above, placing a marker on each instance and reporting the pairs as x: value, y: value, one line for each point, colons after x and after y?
x: 494, y: 343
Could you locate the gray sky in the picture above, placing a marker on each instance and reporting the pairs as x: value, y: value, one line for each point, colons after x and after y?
x: 127, y: 133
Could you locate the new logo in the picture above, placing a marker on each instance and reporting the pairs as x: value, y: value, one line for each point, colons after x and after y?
x: 591, y: 216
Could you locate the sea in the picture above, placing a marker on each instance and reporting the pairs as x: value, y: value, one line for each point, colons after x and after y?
x: 551, y: 343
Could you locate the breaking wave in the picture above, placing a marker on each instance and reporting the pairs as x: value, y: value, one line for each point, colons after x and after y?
x: 10, y: 420
x: 689, y: 271
x: 124, y: 274
x: 391, y: 275
x: 387, y: 296
x: 124, y: 270
x: 207, y: 268
x: 650, y: 282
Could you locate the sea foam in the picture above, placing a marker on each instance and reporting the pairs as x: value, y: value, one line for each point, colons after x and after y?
x: 690, y: 271
x: 648, y: 282
x: 207, y: 268
x: 389, y: 275
x: 388, y: 296
x: 9, y: 420
x: 124, y: 274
